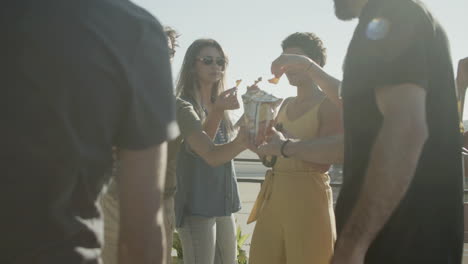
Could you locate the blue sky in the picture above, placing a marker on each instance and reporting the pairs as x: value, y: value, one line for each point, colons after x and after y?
x: 251, y: 32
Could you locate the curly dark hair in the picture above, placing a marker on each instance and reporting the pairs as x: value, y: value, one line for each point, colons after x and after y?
x: 310, y: 43
x: 172, y: 36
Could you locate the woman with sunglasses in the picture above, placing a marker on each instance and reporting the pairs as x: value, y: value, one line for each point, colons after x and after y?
x: 207, y: 194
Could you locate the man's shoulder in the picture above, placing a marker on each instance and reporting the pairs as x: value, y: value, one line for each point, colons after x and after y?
x: 388, y: 28
x: 123, y: 9
x: 121, y: 18
x: 409, y: 12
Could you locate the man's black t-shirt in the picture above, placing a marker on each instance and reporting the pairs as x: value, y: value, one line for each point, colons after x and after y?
x: 78, y: 77
x: 400, y: 42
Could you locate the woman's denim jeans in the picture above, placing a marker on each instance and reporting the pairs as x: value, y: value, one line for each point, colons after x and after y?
x: 209, y: 240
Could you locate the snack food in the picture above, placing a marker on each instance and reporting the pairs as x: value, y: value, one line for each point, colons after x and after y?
x: 274, y: 80
x: 259, y: 112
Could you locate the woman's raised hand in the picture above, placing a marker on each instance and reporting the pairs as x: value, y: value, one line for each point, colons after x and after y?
x: 227, y: 100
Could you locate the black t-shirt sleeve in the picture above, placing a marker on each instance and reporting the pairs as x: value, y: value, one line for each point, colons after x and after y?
x: 391, y: 47
x: 149, y: 118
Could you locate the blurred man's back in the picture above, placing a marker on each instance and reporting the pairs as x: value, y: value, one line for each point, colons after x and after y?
x: 78, y: 77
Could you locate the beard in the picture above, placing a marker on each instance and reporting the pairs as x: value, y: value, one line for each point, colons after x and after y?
x: 343, y: 9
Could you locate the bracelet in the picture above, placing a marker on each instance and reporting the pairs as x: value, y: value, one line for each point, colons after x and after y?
x: 282, y: 148
x: 269, y: 163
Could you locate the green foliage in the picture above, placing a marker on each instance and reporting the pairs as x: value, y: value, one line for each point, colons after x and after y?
x: 241, y: 254
x: 177, y: 245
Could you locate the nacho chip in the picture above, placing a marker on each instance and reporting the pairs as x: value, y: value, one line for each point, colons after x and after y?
x: 274, y: 80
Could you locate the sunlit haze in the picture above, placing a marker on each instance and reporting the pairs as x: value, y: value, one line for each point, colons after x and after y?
x: 251, y: 32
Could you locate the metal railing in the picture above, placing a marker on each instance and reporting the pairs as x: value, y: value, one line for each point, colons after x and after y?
x: 261, y: 179
x: 250, y: 179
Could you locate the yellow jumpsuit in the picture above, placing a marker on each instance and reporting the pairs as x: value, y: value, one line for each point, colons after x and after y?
x: 294, y: 210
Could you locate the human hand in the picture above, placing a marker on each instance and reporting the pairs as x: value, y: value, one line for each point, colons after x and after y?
x: 227, y: 100
x: 273, y: 146
x: 243, y: 138
x: 292, y: 62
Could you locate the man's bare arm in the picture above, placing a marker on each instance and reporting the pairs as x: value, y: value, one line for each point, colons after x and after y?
x: 392, y: 165
x: 140, y: 181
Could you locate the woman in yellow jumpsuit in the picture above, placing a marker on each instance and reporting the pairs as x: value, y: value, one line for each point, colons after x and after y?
x: 294, y: 211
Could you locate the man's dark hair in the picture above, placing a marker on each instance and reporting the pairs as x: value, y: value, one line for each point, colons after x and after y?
x: 309, y: 43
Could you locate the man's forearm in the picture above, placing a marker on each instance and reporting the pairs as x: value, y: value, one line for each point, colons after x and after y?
x: 323, y: 151
x: 140, y: 181
x: 392, y: 165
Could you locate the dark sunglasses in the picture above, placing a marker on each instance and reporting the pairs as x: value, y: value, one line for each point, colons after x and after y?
x: 208, y: 60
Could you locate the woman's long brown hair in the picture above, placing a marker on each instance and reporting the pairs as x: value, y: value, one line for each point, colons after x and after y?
x: 187, y: 82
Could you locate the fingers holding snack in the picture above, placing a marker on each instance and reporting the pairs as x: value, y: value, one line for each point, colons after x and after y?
x: 227, y: 100
x: 273, y: 146
x: 291, y: 62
